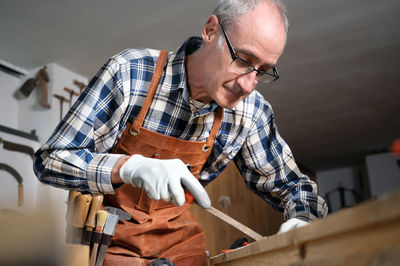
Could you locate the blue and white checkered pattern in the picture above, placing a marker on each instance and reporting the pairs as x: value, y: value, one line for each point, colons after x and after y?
x: 76, y: 156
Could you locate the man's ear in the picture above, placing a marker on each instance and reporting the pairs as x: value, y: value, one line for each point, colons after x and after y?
x: 210, y: 30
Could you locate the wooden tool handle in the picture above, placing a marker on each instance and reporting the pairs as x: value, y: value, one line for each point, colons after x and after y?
x: 81, y: 210
x: 70, y: 91
x: 20, y: 195
x: 43, y: 101
x: 72, y: 196
x: 101, y: 217
x: 97, y: 200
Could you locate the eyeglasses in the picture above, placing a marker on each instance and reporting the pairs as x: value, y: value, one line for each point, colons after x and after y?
x: 243, y: 67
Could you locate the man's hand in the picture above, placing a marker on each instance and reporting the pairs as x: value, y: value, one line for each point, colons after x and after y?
x: 291, y: 224
x: 163, y: 179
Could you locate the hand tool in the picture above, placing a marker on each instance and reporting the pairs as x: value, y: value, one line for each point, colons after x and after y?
x: 121, y: 214
x: 114, y: 215
x: 31, y: 135
x: 43, y: 78
x: 101, y: 217
x: 239, y: 242
x: 224, y: 217
x: 80, y: 85
x: 81, y: 211
x: 11, y: 146
x: 71, y: 93
x: 62, y: 100
x: 28, y: 86
x: 69, y: 216
x: 18, y: 177
x: 90, y: 224
x: 241, y: 227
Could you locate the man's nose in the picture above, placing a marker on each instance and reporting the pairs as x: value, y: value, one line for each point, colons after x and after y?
x: 247, y: 82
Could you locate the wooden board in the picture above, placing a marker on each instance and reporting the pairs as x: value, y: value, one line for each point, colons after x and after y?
x: 367, y: 234
x: 245, y: 206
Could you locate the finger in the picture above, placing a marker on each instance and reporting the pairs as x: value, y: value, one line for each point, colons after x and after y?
x: 164, y: 193
x: 176, y: 192
x: 197, y: 190
x: 150, y: 191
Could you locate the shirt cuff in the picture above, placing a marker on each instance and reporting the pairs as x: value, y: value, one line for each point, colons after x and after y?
x: 98, y: 173
x: 304, y: 216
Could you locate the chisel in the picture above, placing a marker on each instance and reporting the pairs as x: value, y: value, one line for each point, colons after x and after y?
x: 241, y: 227
x: 101, y: 218
x: 90, y: 224
x: 81, y: 211
x: 108, y: 233
x: 69, y: 216
x: 224, y: 217
x: 114, y: 214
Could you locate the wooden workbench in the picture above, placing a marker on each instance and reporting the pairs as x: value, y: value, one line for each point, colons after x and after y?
x: 366, y: 234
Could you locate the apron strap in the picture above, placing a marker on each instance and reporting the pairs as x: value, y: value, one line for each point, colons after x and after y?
x: 137, y: 124
x: 158, y: 70
x: 214, y: 129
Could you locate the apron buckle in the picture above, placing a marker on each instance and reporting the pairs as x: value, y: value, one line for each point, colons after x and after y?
x: 205, y: 148
x: 133, y: 132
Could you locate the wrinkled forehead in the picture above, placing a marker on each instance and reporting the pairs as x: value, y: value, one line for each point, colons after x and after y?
x: 261, y: 31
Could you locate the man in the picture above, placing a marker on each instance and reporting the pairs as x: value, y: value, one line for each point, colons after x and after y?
x: 136, y: 140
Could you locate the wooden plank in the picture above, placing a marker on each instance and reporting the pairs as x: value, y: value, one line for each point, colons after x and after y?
x: 367, y: 234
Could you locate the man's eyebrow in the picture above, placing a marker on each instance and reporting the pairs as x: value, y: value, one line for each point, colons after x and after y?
x: 251, y: 54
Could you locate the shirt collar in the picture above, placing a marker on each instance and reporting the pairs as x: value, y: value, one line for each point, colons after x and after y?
x: 176, y: 71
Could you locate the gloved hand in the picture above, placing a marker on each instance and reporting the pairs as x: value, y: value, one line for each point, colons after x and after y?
x: 163, y: 179
x: 291, y: 224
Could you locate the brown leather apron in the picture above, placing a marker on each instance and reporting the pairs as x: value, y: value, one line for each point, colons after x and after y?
x: 157, y: 228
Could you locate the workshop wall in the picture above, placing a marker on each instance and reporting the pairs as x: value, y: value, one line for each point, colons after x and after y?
x: 332, y: 182
x: 348, y: 186
x: 33, y: 116
x: 9, y: 105
x: 384, y: 172
x: 25, y: 114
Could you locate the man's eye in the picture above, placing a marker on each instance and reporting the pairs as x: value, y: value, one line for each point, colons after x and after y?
x: 264, y: 70
x: 259, y: 74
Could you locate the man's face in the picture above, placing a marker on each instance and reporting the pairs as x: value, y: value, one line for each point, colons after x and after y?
x: 258, y: 37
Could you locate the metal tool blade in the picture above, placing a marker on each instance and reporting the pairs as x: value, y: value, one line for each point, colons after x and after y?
x: 121, y: 214
x: 109, y: 230
x: 241, y: 227
x: 101, y: 255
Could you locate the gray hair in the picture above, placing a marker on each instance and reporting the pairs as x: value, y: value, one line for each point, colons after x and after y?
x: 227, y: 10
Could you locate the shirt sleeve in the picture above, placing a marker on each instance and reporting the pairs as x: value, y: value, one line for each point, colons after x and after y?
x: 269, y: 169
x: 76, y: 156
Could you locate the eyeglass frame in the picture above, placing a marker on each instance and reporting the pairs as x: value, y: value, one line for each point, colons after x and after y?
x: 235, y: 57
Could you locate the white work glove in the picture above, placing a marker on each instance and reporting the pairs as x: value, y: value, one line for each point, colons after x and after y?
x: 291, y: 224
x: 163, y: 179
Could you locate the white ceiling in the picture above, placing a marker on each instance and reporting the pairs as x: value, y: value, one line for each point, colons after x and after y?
x: 338, y: 98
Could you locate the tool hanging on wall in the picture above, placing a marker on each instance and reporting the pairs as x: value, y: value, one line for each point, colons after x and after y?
x: 80, y: 85
x: 62, y: 99
x: 71, y: 94
x: 11, y: 146
x: 342, y: 197
x: 31, y: 136
x: 41, y: 79
x: 19, y: 179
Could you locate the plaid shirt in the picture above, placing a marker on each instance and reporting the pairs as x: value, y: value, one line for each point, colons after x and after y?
x: 77, y: 155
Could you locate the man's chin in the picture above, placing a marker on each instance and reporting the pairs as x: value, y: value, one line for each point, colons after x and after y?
x: 228, y: 103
